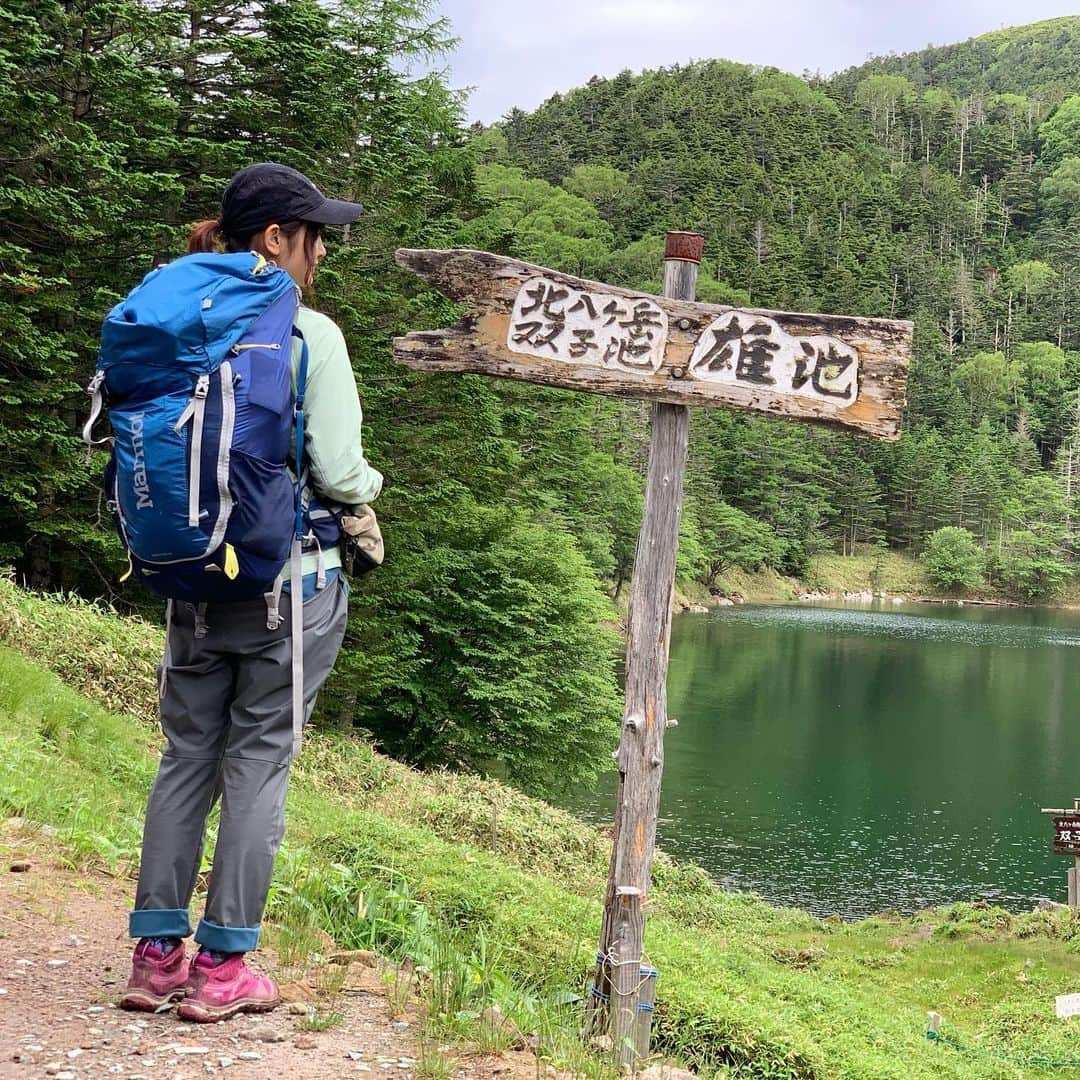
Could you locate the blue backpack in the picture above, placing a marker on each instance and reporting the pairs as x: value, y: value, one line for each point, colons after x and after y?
x: 195, y: 367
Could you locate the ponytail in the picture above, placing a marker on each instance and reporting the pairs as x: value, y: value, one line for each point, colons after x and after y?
x: 205, y: 236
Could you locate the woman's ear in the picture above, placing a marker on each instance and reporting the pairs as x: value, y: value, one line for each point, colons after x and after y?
x: 269, y: 241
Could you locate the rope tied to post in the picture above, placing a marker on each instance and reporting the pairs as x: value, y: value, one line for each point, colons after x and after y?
x: 607, y: 960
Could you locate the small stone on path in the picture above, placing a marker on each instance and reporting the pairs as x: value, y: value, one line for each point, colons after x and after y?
x: 249, y: 1055
x: 270, y: 1035
x: 305, y: 1042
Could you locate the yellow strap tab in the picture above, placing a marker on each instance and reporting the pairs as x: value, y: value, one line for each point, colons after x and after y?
x: 260, y: 263
x: 232, y: 563
x: 129, y: 571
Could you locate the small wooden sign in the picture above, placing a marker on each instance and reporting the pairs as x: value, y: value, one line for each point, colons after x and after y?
x: 1067, y: 1005
x: 1067, y: 835
x: 527, y: 322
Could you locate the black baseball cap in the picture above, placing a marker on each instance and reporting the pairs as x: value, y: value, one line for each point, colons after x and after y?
x: 266, y: 193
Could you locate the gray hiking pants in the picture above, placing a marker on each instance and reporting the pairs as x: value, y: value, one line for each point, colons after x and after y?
x: 226, y: 711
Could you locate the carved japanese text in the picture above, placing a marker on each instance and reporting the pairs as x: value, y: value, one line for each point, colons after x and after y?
x: 558, y: 322
x: 747, y: 349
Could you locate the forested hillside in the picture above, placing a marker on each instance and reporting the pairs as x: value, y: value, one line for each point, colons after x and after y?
x: 484, y: 637
x: 943, y: 187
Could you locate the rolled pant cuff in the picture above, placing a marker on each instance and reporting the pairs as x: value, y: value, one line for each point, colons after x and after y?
x: 227, y: 939
x: 159, y: 922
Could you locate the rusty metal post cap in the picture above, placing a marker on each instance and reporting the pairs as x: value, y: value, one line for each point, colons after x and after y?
x: 687, y: 246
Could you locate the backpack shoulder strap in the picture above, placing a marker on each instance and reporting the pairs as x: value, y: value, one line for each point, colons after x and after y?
x: 296, y: 588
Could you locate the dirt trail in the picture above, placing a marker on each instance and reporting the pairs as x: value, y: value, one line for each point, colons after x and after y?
x: 64, y: 959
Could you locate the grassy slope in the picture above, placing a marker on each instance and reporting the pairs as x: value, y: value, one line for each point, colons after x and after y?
x: 774, y: 993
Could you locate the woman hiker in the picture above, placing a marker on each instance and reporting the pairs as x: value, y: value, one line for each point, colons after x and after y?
x: 226, y: 709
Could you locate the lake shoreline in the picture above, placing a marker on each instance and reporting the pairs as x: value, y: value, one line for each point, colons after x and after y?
x: 862, y: 579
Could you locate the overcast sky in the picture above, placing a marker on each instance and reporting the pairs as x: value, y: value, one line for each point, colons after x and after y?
x: 519, y: 52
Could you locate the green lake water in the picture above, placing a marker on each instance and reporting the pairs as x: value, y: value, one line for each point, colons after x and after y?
x: 854, y: 761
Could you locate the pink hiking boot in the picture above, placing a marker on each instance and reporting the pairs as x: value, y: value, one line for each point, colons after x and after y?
x: 157, y: 978
x: 218, y: 991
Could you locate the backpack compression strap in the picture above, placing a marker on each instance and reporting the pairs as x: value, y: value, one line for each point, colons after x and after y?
x: 296, y: 597
x: 97, y: 400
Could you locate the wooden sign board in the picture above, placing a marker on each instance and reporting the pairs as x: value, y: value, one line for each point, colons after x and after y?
x: 527, y: 322
x: 1067, y: 835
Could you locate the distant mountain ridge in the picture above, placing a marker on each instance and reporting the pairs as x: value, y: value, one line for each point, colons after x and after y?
x: 1041, y: 59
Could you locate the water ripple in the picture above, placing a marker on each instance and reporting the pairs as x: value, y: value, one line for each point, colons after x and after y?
x: 960, y: 629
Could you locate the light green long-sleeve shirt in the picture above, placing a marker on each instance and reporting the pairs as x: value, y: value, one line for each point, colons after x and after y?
x: 333, y: 447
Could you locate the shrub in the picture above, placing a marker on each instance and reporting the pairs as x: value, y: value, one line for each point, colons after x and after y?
x: 953, y: 560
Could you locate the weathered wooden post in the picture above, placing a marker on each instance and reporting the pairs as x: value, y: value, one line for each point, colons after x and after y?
x: 528, y: 322
x: 640, y: 757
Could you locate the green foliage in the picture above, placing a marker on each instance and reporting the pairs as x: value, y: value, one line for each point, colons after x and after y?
x: 990, y: 383
x: 1060, y: 134
x: 1060, y: 191
x: 483, y: 646
x: 1030, y: 563
x: 536, y: 220
x: 953, y: 560
x: 1030, y: 278
x: 730, y: 537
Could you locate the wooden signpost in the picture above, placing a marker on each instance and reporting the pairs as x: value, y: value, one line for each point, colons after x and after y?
x: 1067, y: 842
x: 527, y: 322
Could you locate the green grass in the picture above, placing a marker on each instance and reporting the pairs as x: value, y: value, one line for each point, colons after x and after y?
x: 410, y: 866
x: 891, y: 573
